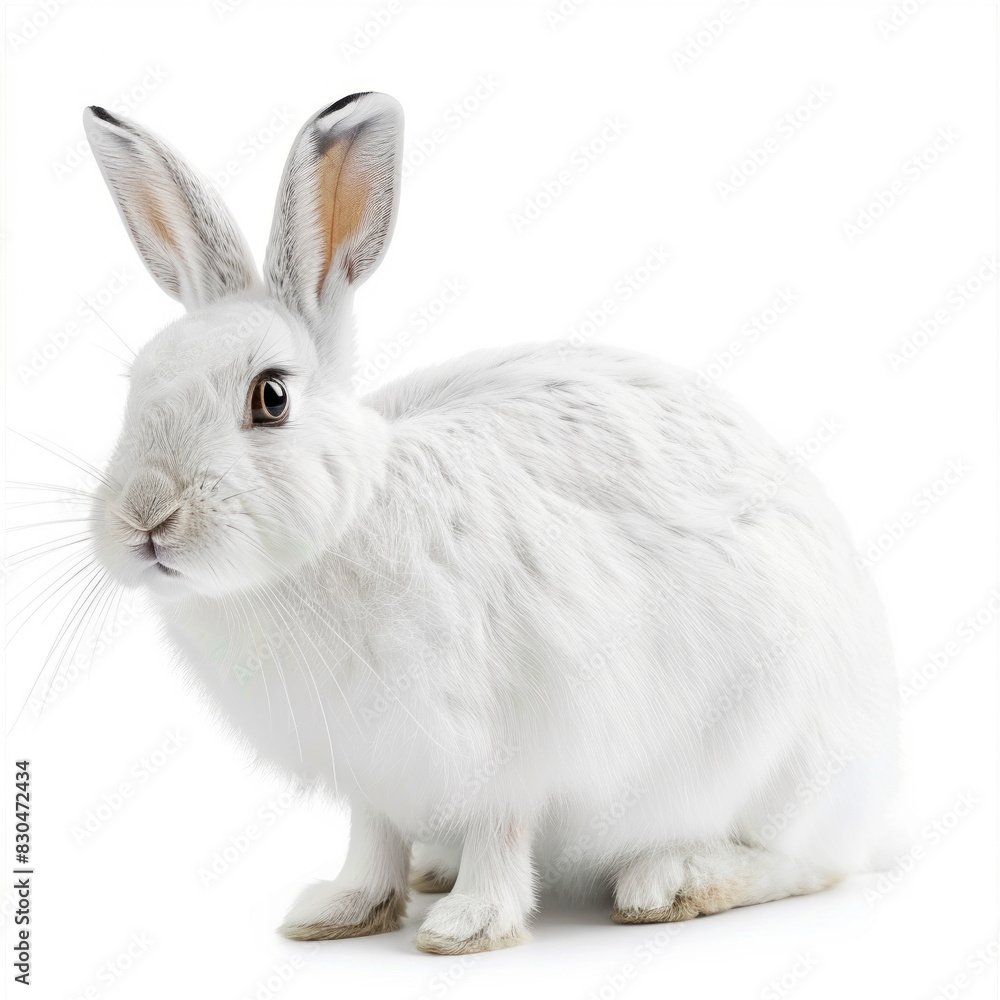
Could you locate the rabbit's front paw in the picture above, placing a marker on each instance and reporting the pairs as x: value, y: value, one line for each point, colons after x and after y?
x: 325, y: 912
x: 460, y: 925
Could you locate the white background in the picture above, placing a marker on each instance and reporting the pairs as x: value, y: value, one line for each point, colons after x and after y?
x: 227, y: 85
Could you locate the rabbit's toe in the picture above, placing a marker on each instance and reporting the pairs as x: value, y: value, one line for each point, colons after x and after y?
x: 324, y: 912
x: 461, y: 925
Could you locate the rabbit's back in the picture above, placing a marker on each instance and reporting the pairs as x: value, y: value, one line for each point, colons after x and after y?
x: 662, y: 445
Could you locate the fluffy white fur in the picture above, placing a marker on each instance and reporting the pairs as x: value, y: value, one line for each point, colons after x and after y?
x: 545, y: 616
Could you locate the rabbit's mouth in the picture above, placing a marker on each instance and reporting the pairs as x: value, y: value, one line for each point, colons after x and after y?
x: 151, y: 555
x: 155, y: 557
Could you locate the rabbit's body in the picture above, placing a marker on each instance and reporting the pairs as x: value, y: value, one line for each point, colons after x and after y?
x: 501, y: 631
x: 549, y: 613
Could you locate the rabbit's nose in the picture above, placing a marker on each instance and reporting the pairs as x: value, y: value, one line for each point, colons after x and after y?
x: 149, y: 499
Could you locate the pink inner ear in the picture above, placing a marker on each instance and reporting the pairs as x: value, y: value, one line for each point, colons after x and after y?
x: 343, y: 195
x: 152, y: 212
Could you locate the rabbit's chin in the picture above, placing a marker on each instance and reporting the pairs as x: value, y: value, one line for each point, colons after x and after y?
x: 180, y: 588
x: 169, y: 587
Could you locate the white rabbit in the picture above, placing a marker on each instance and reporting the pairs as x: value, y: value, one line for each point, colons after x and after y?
x: 543, y: 616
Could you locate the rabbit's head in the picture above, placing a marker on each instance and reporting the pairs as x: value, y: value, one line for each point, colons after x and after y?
x: 243, y: 453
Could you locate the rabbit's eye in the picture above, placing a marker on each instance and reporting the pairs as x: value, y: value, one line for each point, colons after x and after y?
x: 268, y: 401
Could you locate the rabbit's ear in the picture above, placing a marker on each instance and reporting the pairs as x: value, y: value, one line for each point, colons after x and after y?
x: 336, y: 206
x: 183, y: 232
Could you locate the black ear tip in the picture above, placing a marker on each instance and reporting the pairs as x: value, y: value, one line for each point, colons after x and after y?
x: 343, y: 102
x: 104, y: 115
